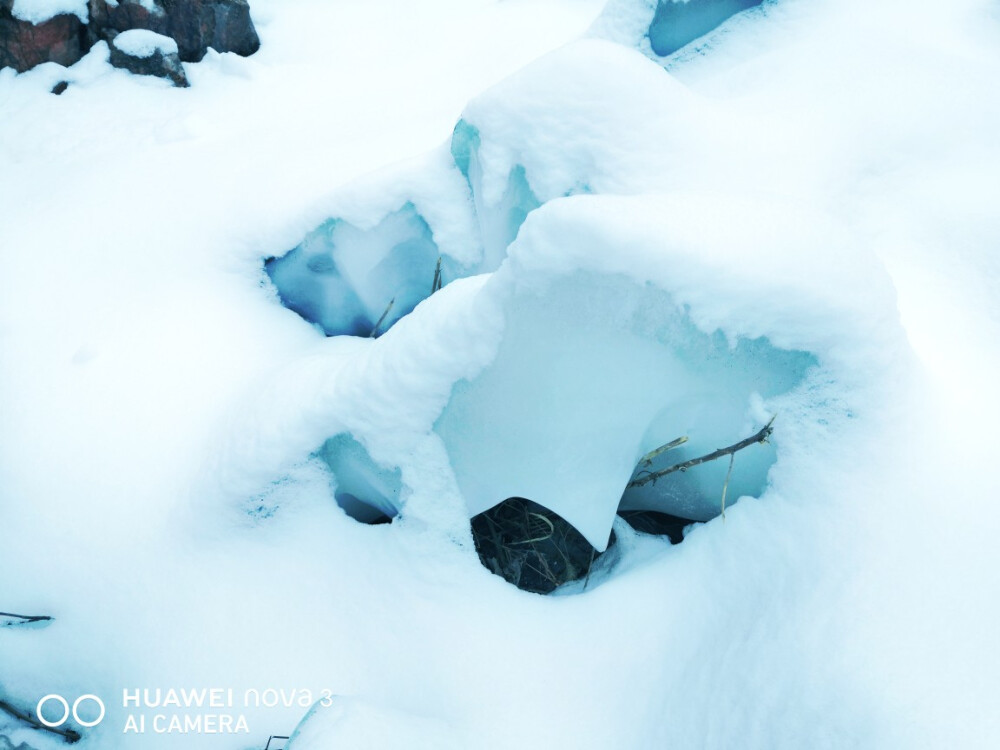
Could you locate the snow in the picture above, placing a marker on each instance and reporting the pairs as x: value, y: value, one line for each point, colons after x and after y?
x: 40, y: 11
x: 593, y: 372
x: 795, y: 216
x: 144, y: 43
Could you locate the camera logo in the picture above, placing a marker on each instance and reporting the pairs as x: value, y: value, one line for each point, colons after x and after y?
x: 67, y: 710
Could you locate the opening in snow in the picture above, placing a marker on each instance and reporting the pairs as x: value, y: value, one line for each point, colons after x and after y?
x: 593, y: 374
x: 498, y: 222
x: 537, y: 550
x: 531, y: 547
x: 366, y: 491
x: 355, y: 281
x: 678, y: 22
x: 655, y: 523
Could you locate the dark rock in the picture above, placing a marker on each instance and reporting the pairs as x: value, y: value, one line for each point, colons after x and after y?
x: 60, y: 87
x: 147, y: 53
x: 675, y: 23
x: 530, y: 546
x: 223, y: 25
x: 195, y: 25
x: 24, y: 45
x: 108, y: 20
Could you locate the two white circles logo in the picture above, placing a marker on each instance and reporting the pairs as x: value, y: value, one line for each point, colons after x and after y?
x: 67, y: 710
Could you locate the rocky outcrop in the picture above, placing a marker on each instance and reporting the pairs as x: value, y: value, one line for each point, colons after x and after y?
x: 196, y: 25
x: 147, y: 53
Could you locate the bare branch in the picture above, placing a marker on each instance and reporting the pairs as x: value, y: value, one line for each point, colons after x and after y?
x: 760, y: 437
x: 70, y: 735
x: 649, y: 457
x: 436, y: 284
x: 725, y: 485
x: 26, y: 618
x: 378, y: 325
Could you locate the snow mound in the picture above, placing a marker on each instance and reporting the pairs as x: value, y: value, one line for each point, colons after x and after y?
x: 381, y: 246
x: 143, y: 43
x: 40, y: 11
x: 589, y: 118
x: 631, y: 321
x: 616, y: 324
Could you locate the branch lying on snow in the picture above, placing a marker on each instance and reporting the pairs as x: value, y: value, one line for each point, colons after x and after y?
x: 26, y: 618
x: 70, y: 735
x: 651, y: 477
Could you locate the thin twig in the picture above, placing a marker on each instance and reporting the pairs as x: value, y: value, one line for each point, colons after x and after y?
x: 70, y: 735
x: 379, y: 323
x: 648, y: 458
x: 547, y: 535
x: 725, y: 485
x: 26, y: 618
x: 593, y: 554
x: 436, y: 284
x: 760, y: 437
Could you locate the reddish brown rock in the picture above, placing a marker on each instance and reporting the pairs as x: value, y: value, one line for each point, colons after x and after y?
x: 147, y: 53
x: 24, y: 45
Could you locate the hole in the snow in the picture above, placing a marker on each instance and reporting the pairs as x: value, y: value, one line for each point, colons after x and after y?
x: 360, y: 510
x: 675, y: 476
x: 592, y: 373
x: 657, y: 523
x: 355, y: 281
x: 531, y: 547
x: 366, y: 491
x: 675, y: 24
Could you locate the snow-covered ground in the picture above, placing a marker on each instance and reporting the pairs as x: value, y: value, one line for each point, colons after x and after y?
x: 797, y: 216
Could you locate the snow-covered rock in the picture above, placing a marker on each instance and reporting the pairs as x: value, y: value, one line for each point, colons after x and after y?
x: 25, y: 43
x: 140, y: 43
x: 147, y: 53
x: 111, y: 17
x: 196, y: 25
x: 39, y: 11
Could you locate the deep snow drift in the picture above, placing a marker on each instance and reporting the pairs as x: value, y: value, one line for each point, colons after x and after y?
x: 793, y: 216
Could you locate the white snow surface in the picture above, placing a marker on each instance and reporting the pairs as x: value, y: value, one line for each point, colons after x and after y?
x: 144, y: 43
x: 40, y: 11
x: 798, y: 219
